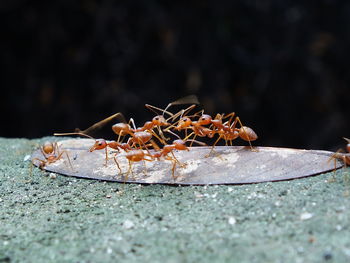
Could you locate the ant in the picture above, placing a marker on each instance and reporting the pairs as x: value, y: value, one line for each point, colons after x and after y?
x: 159, y: 120
x: 229, y: 132
x: 198, y: 127
x: 226, y: 131
x: 137, y: 156
x: 138, y: 136
x: 51, y: 153
x: 177, y: 144
x: 345, y: 157
x: 101, y: 144
x: 169, y: 148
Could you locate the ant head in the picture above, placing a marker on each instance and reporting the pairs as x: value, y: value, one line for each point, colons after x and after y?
x: 205, y: 119
x: 348, y: 145
x: 183, y: 123
x: 48, y: 147
x: 99, y: 145
x: 159, y: 120
x: 186, y: 120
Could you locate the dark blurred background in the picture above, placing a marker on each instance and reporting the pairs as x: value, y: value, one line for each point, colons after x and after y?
x: 282, y: 66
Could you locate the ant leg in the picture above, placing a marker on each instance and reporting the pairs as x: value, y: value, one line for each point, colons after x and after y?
x: 57, y: 150
x: 116, y: 162
x: 212, y: 148
x: 106, y: 153
x: 61, y: 153
x: 42, y: 163
x: 60, y: 156
x: 231, y: 115
x: 119, y: 136
x: 335, y: 156
x: 128, y: 172
x: 173, y: 170
x: 162, y: 140
x: 176, y: 160
x: 144, y: 164
x: 43, y: 153
x: 194, y: 138
x: 70, y: 163
x: 188, y: 136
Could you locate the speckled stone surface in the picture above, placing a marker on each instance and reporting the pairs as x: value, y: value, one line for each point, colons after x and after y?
x: 52, y: 218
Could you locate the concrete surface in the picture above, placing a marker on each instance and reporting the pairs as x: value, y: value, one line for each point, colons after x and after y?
x: 49, y: 218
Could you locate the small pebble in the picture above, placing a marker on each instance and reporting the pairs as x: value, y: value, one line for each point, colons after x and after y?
x: 231, y: 220
x: 306, y: 216
x: 327, y: 256
x: 52, y: 176
x: 128, y: 224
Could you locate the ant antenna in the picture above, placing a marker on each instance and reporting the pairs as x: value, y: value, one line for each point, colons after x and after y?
x: 154, y: 108
x: 100, y: 124
x: 190, y: 99
x: 346, y: 139
x: 73, y: 133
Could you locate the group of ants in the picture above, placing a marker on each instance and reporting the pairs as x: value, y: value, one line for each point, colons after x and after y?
x: 142, y: 143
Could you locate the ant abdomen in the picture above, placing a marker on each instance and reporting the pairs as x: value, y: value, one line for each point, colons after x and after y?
x: 247, y: 134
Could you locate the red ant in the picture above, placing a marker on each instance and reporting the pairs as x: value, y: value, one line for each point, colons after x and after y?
x: 101, y: 144
x: 140, y: 136
x: 229, y: 132
x: 160, y: 121
x: 177, y: 144
x: 345, y: 157
x: 137, y: 156
x: 197, y: 127
x: 140, y: 155
x: 51, y: 153
x: 226, y: 131
x: 131, y: 154
x: 169, y: 148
